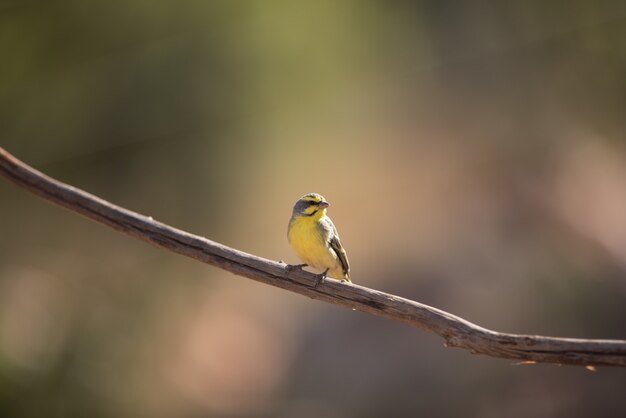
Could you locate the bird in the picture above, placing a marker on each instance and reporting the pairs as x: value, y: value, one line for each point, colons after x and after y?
x: 314, y: 238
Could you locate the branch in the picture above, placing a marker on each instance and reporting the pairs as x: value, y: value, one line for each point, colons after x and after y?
x: 456, y: 331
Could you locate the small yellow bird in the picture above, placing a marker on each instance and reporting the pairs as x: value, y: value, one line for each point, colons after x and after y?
x: 314, y: 238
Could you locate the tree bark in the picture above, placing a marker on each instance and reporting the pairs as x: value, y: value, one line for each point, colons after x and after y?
x: 456, y: 331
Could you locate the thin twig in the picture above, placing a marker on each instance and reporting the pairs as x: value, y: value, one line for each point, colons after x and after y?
x: 456, y: 331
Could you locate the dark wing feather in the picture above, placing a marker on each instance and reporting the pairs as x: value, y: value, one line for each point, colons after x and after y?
x: 335, y: 244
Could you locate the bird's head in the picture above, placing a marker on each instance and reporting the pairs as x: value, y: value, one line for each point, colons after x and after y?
x: 311, y: 204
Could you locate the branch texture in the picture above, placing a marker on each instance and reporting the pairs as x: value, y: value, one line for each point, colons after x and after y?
x: 456, y: 331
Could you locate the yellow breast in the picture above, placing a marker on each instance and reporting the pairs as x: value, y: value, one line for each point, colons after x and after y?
x: 308, y: 241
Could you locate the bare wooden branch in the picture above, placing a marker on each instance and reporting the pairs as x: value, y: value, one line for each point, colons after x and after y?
x: 456, y: 331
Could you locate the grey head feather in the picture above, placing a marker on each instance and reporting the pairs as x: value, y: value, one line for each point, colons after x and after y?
x: 302, y: 204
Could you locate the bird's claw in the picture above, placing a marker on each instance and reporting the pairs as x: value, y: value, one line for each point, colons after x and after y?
x: 319, y: 279
x: 292, y: 267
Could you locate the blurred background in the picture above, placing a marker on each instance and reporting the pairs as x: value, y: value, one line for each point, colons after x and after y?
x: 474, y: 156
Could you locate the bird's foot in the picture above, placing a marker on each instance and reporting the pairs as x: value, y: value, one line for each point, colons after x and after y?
x: 292, y: 267
x: 319, y: 279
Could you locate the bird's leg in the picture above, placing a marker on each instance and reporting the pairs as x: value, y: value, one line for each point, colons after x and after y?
x: 292, y: 267
x: 320, y: 278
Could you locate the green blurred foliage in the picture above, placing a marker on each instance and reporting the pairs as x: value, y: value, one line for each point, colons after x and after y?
x: 473, y: 154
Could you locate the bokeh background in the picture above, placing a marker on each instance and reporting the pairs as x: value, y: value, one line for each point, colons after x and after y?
x: 473, y: 152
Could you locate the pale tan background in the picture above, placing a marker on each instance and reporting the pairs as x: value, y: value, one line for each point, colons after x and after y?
x: 474, y: 156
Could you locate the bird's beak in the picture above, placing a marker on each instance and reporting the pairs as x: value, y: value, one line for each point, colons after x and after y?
x: 323, y: 205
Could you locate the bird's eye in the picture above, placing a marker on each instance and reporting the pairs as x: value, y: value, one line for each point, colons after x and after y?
x: 312, y: 202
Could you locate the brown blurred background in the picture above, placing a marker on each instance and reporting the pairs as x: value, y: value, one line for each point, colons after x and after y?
x: 474, y: 156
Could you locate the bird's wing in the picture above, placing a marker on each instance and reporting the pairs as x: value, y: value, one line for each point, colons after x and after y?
x: 335, y: 245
